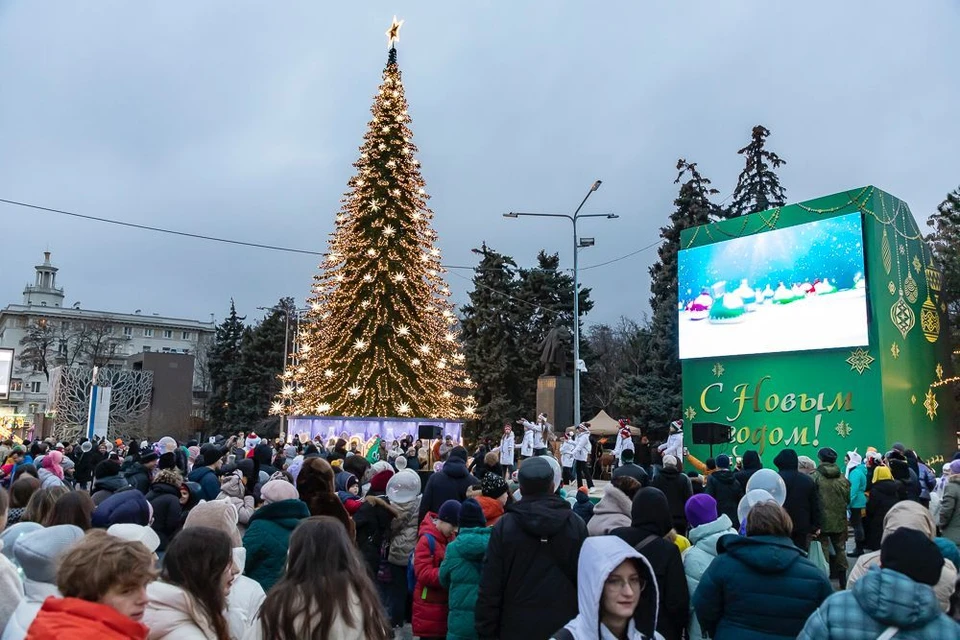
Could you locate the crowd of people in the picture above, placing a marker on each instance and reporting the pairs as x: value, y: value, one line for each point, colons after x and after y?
x: 249, y: 539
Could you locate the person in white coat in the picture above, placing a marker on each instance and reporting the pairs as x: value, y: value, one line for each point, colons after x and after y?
x: 508, y: 443
x: 535, y: 435
x: 674, y: 444
x: 581, y: 455
x: 246, y: 595
x: 624, y: 442
x: 706, y: 529
x: 190, y: 599
x: 616, y: 593
x: 37, y: 553
x: 566, y: 455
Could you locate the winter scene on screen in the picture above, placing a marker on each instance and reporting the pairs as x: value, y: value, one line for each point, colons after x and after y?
x: 792, y: 289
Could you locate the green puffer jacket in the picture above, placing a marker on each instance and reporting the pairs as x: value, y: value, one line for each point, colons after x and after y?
x: 881, y: 599
x: 460, y: 574
x: 268, y: 537
x: 834, y: 497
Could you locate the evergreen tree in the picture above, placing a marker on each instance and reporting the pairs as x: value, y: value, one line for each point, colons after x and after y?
x: 548, y: 293
x: 945, y: 241
x: 492, y: 325
x: 223, y: 362
x: 758, y: 187
x: 656, y: 392
x: 380, y: 337
x: 262, y: 358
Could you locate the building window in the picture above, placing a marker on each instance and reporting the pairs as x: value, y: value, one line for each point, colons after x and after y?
x: 16, y: 385
x: 108, y: 329
x: 128, y: 331
x: 146, y: 348
x: 166, y: 350
x: 186, y: 351
x: 185, y: 335
x: 167, y: 333
x: 34, y: 408
x: 35, y: 387
x: 148, y: 333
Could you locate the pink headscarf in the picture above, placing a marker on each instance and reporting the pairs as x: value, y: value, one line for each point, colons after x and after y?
x: 51, y: 462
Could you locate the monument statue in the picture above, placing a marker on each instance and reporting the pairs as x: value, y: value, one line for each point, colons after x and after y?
x: 554, y: 350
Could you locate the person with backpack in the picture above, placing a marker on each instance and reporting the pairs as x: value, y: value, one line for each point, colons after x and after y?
x: 834, y: 491
x: 528, y: 586
x: 430, y: 598
x: 460, y: 570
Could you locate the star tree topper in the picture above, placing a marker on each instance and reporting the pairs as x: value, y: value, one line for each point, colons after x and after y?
x: 393, y: 33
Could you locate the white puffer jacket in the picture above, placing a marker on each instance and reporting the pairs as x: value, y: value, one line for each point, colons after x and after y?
x: 173, y: 614
x: 696, y: 559
x: 34, y: 593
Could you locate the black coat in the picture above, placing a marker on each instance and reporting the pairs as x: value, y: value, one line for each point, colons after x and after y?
x: 803, y: 499
x: 751, y: 464
x: 103, y: 488
x: 649, y: 522
x: 528, y: 585
x: 727, y: 491
x: 883, y: 495
x: 85, y: 465
x: 139, y: 477
x: 373, y: 527
x: 450, y: 484
x: 165, y: 500
x: 676, y: 487
x: 634, y: 471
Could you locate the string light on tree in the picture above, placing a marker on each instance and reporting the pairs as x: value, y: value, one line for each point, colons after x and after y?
x: 379, y: 337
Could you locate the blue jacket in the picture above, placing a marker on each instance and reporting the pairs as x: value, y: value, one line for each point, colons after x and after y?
x: 129, y: 507
x: 583, y: 507
x: 460, y: 574
x: 758, y: 588
x: 268, y: 537
x: 858, y: 487
x: 881, y: 599
x: 208, y: 480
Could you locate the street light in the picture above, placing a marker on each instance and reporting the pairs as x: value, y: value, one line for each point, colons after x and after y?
x: 577, y: 244
x: 286, y: 349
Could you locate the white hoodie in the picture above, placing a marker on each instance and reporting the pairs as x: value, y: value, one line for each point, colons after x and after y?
x: 599, y: 556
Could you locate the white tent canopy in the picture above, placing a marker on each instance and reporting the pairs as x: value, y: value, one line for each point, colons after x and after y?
x: 603, y: 425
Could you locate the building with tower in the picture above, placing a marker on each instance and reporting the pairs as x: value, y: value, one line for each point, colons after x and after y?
x: 46, y: 333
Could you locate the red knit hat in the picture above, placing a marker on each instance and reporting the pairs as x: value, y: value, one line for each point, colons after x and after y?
x: 379, y: 481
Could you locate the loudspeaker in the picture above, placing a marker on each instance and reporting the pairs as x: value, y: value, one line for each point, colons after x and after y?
x: 429, y: 431
x: 712, y: 433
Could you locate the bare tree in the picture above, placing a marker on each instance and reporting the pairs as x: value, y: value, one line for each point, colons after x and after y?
x: 40, y: 344
x: 51, y: 342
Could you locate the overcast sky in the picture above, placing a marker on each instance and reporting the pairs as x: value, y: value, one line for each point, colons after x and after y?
x: 242, y: 119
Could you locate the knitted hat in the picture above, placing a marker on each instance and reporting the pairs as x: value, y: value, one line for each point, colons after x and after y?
x: 723, y: 461
x: 136, y: 533
x: 168, y: 461
x: 277, y: 490
x: 38, y: 552
x: 379, y: 481
x: 898, y: 446
x: 106, y: 469
x: 193, y: 453
x: 827, y: 455
x: 449, y: 512
x: 220, y: 515
x: 471, y: 515
x: 209, y: 454
x: 535, y: 476
x: 149, y: 457
x: 913, y: 554
x: 458, y: 452
x: 700, y: 509
x: 955, y: 467
x: 670, y: 461
x: 492, y: 485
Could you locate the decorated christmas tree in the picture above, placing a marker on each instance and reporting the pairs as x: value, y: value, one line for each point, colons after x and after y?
x: 380, y: 337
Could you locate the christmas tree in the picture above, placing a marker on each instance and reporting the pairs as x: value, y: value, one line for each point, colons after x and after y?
x: 380, y: 337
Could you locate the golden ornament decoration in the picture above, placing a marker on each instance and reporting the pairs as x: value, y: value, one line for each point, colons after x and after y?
x: 902, y: 316
x: 910, y: 289
x: 885, y: 255
x: 929, y: 320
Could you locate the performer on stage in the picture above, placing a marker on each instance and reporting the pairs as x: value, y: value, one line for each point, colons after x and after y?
x: 624, y: 442
x: 507, y: 445
x: 535, y: 436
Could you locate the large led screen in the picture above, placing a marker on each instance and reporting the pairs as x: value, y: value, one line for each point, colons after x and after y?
x: 792, y: 289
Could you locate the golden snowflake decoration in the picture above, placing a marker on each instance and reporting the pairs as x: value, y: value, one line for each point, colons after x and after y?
x: 917, y: 265
x: 939, y: 371
x: 913, y: 399
x: 930, y: 404
x: 690, y: 413
x: 718, y: 370
x: 895, y: 351
x: 860, y: 360
x: 843, y: 429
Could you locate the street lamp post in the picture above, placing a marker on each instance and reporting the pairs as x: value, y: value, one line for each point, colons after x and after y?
x: 286, y: 351
x: 577, y: 244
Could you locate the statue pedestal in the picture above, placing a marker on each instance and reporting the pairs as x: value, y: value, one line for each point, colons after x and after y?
x: 555, y: 398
